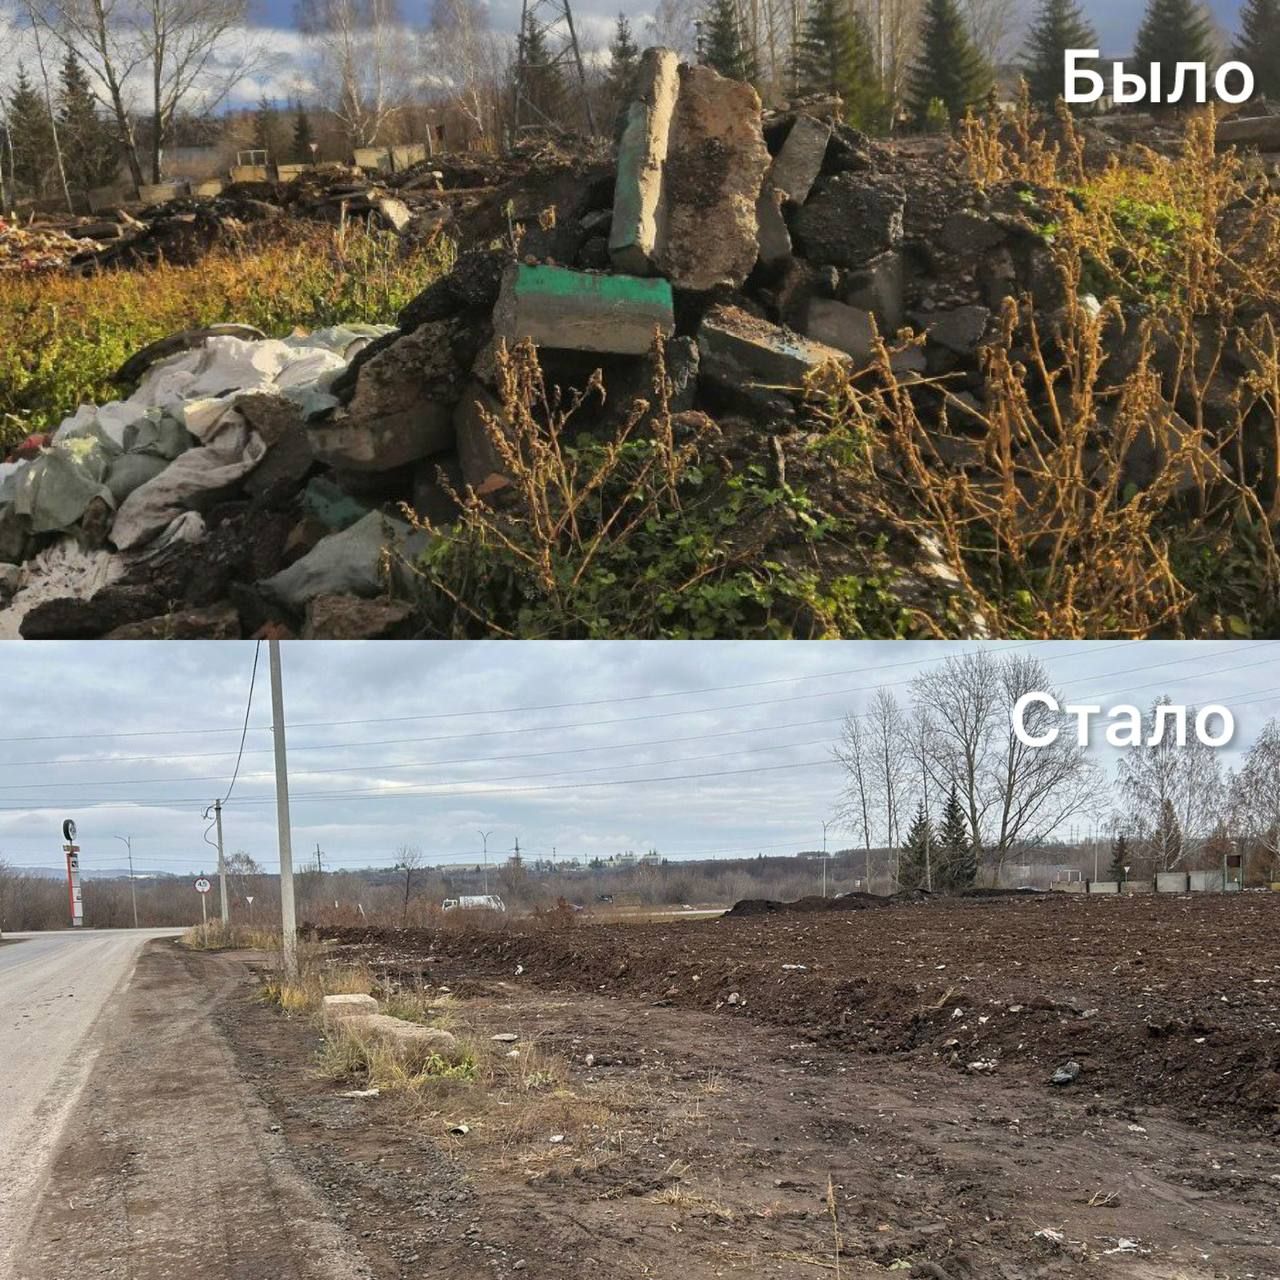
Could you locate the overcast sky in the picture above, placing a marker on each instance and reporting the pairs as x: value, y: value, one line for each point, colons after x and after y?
x: 427, y: 744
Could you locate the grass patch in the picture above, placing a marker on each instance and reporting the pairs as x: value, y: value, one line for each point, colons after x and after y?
x: 639, y: 535
x: 305, y: 993
x: 61, y: 337
x: 215, y: 936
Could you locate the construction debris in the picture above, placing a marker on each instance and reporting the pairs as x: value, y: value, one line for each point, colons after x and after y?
x: 246, y: 482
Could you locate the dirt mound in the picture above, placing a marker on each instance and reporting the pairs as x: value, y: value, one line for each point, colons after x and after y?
x: 802, y: 906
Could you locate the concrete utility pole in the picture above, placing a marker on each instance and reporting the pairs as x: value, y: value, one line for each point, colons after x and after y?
x: 127, y: 841
x: 222, y: 866
x: 288, y: 917
x: 484, y: 836
x: 825, y: 825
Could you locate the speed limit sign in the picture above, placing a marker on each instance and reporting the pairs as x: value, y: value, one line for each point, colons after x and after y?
x: 202, y: 885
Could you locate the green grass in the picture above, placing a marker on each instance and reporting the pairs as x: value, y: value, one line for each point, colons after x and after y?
x: 62, y: 337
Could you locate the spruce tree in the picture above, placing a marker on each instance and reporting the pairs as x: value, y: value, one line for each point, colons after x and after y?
x: 1057, y: 27
x: 544, y: 87
x: 1173, y: 31
x: 833, y: 55
x: 956, y: 866
x: 89, y: 149
x: 950, y: 69
x: 624, y: 53
x: 918, y: 853
x: 1259, y: 44
x: 264, y: 126
x: 726, y: 47
x: 31, y: 135
x: 300, y: 147
x: 1119, y: 858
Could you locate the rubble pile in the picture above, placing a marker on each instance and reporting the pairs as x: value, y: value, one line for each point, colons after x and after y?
x: 35, y: 247
x: 247, y: 483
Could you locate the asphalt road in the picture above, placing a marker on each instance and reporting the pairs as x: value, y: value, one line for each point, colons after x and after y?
x: 54, y: 988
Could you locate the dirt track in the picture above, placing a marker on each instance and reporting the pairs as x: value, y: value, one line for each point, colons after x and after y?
x: 171, y: 1167
x: 1163, y: 1001
x: 698, y: 1142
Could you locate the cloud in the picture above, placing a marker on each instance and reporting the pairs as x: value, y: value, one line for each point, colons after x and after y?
x: 587, y: 748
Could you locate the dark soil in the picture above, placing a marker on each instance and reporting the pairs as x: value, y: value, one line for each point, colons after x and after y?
x: 1172, y: 1002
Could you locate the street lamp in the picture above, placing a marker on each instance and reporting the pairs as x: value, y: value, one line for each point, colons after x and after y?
x: 133, y: 893
x: 484, y: 836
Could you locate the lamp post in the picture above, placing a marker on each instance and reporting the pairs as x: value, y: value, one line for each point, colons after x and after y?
x: 484, y: 837
x: 133, y: 893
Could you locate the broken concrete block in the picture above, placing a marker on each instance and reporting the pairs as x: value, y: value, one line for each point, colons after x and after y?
x: 332, y: 617
x: 879, y: 286
x: 969, y: 233
x: 409, y: 1042
x: 739, y: 350
x: 482, y: 466
x: 402, y: 409
x: 716, y: 161
x: 336, y: 1008
x: 849, y: 219
x: 217, y: 622
x: 797, y: 165
x: 846, y: 328
x: 959, y: 330
x: 556, y: 307
x: 771, y: 227
x: 642, y: 152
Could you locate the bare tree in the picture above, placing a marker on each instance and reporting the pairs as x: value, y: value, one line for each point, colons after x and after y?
x: 466, y: 61
x: 854, y: 810
x: 39, y: 35
x: 363, y: 61
x: 993, y: 25
x: 1171, y: 789
x: 105, y: 36
x: 888, y: 730
x: 1255, y: 800
x: 166, y: 52
x: 408, y: 859
x: 672, y: 25
x: 1014, y: 794
x: 194, y: 50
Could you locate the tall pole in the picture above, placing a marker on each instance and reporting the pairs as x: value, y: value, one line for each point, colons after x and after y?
x: 825, y: 825
x: 222, y: 866
x: 127, y: 841
x: 288, y: 918
x: 484, y: 836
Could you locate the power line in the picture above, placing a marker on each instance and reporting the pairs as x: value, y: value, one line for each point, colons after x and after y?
x: 496, y: 711
x: 593, y: 724
x: 248, y: 707
x: 554, y: 728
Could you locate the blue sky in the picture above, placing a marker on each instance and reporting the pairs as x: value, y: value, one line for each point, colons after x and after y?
x: 1116, y: 20
x: 697, y: 749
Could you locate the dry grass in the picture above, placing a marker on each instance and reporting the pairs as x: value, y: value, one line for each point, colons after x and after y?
x: 305, y: 992
x: 1048, y: 535
x: 215, y: 936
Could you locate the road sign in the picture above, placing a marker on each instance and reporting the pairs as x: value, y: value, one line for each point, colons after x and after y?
x: 69, y: 831
x: 202, y: 885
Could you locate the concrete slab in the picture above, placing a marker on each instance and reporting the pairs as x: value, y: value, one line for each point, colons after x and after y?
x: 839, y: 325
x: 579, y: 311
x: 642, y: 152
x: 796, y: 167
x: 339, y: 1008
x: 739, y: 351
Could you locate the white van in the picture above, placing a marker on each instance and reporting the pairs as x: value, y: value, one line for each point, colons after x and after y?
x: 474, y: 902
